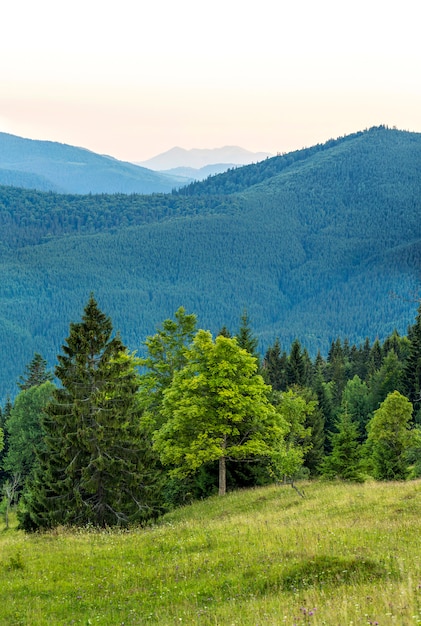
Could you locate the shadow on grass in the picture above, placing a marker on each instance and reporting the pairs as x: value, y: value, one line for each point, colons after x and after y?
x: 328, y: 570
x: 319, y: 571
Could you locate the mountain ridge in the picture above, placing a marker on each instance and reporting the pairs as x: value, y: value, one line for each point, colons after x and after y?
x: 198, y: 158
x: 49, y: 165
x: 312, y: 244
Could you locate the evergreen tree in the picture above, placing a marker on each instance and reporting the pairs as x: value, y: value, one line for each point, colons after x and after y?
x: 94, y: 466
x: 313, y: 443
x: 345, y: 459
x: 324, y: 400
x: 337, y: 372
x: 400, y: 346
x: 35, y: 373
x: 412, y: 367
x: 166, y: 355
x: 386, y: 380
x: 376, y: 358
x: 296, y: 367
x: 274, y: 367
x: 356, y: 402
x: 4, y: 414
x: 245, y: 337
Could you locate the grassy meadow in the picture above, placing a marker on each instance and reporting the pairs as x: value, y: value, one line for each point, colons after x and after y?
x: 345, y: 554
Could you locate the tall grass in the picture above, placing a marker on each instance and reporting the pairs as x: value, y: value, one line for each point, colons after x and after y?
x: 345, y: 554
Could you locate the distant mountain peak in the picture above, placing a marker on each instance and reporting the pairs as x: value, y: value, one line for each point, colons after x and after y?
x: 201, y: 157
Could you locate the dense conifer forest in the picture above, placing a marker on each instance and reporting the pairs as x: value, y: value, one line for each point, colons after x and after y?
x: 317, y: 244
x: 121, y: 439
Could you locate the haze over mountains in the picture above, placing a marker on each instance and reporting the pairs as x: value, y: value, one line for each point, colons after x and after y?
x: 53, y: 166
x: 197, y: 164
x: 315, y: 244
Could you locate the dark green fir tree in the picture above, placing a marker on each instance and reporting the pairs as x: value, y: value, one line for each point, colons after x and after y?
x: 36, y: 373
x: 344, y: 461
x: 96, y: 465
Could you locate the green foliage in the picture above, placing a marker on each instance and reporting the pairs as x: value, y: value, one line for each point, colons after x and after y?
x: 166, y: 355
x: 390, y: 437
x: 23, y: 425
x: 356, y: 402
x: 93, y: 467
x: 345, y: 459
x: 35, y: 373
x: 294, y: 410
x: 245, y: 337
x: 274, y: 367
x: 387, y: 379
x: 412, y: 368
x: 216, y: 409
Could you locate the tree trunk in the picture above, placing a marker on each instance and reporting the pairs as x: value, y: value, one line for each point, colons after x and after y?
x: 222, y: 476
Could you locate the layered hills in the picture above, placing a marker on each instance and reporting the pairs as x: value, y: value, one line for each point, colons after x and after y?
x: 315, y: 244
x: 52, y: 166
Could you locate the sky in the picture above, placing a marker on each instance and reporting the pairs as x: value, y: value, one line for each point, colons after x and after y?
x: 132, y: 79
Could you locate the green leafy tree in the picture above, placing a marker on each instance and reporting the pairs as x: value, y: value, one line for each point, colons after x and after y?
x: 36, y: 373
x: 93, y: 467
x: 295, y: 410
x: 166, y: 355
x: 344, y: 461
x: 390, y: 437
x: 24, y: 430
x: 216, y: 409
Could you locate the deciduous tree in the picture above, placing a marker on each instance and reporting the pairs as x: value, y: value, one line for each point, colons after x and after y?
x: 217, y: 409
x: 390, y: 437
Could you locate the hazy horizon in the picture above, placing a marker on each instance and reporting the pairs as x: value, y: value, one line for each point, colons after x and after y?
x: 134, y: 81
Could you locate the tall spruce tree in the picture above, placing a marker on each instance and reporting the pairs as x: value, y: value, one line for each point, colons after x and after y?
x: 275, y: 366
x: 36, y: 373
x: 412, y: 368
x: 344, y: 460
x: 245, y: 337
x: 94, y: 466
x: 296, y: 368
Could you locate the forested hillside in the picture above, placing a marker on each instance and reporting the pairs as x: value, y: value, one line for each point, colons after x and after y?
x: 321, y: 243
x: 52, y: 166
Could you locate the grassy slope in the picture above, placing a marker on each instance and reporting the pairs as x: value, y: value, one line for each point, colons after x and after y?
x: 346, y: 554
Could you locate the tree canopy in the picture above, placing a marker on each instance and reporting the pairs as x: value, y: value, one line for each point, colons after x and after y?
x: 216, y: 409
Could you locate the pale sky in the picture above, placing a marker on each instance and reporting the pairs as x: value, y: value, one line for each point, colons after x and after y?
x: 132, y: 78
